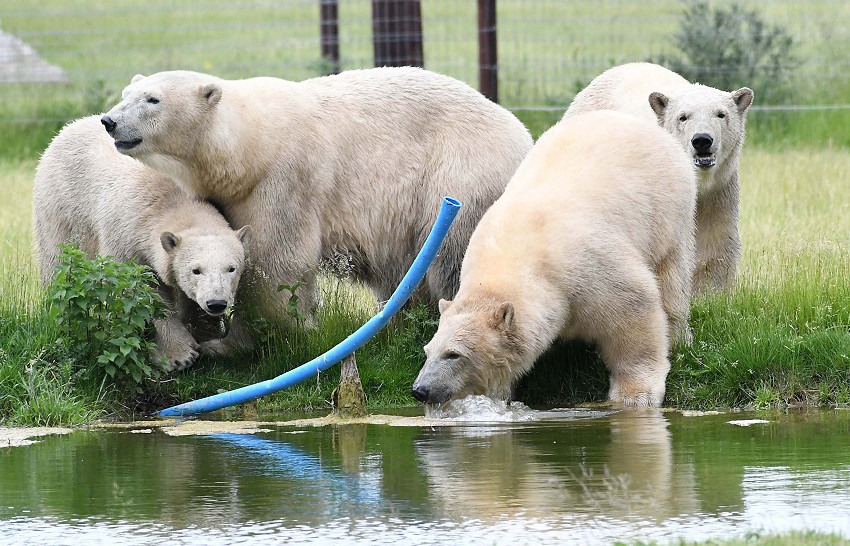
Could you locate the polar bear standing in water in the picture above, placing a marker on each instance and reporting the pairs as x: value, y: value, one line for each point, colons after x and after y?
x: 353, y: 164
x: 710, y: 125
x: 87, y: 193
x: 592, y: 239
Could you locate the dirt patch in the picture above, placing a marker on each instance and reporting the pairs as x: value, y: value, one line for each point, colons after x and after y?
x: 192, y: 427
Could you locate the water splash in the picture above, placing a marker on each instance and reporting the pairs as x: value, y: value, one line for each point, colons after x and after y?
x: 481, y: 409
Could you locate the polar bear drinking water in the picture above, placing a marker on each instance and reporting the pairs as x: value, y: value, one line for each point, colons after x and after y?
x: 354, y: 164
x: 112, y: 205
x: 710, y: 125
x: 592, y: 239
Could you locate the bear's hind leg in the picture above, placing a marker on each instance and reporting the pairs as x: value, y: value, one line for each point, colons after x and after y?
x: 674, y: 280
x: 48, y: 236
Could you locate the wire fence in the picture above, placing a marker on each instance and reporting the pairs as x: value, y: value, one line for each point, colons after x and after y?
x: 58, y: 58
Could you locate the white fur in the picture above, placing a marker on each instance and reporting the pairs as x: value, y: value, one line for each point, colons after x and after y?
x: 592, y: 239
x: 654, y: 93
x: 354, y: 165
x: 112, y: 205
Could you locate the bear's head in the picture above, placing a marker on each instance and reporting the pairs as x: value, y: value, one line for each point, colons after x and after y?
x: 163, y: 114
x: 207, y: 266
x: 476, y: 350
x: 708, y: 122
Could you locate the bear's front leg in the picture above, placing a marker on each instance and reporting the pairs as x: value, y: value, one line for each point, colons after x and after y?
x: 238, y: 339
x: 718, y: 241
x: 175, y: 343
x: 284, y: 249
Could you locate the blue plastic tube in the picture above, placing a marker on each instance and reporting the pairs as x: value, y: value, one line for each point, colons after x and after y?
x: 411, y: 280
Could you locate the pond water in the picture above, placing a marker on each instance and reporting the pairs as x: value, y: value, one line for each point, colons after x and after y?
x: 570, y: 476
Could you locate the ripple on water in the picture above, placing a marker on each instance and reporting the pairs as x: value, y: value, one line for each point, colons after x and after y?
x: 481, y: 409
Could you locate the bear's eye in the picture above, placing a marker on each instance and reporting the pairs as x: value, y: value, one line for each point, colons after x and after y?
x: 196, y: 271
x: 152, y: 100
x: 231, y: 269
x: 451, y: 355
x: 683, y: 117
x: 721, y: 115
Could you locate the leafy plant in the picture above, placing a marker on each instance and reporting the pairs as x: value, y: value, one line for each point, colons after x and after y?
x: 732, y: 47
x: 105, y: 309
x: 292, y: 302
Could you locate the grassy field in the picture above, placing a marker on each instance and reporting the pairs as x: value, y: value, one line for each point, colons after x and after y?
x: 783, y: 335
x: 547, y: 51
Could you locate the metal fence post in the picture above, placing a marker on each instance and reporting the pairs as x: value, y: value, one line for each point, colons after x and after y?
x: 329, y: 28
x: 488, y: 62
x: 397, y: 32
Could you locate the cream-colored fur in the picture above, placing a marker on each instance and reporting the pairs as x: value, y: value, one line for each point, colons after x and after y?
x: 112, y: 205
x: 354, y: 165
x: 654, y: 93
x: 592, y: 239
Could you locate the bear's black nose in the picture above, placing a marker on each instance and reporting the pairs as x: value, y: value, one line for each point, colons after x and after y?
x: 702, y: 142
x: 420, y: 393
x: 216, y: 306
x: 108, y: 123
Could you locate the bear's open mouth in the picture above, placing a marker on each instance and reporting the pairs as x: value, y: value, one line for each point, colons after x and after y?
x: 127, y: 144
x: 705, y: 160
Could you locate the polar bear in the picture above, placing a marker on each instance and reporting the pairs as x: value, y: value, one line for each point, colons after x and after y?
x: 112, y: 205
x: 354, y: 164
x: 592, y: 239
x: 710, y: 125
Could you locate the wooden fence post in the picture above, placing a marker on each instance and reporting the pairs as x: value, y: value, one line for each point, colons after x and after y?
x: 488, y: 59
x: 329, y: 32
x: 397, y: 32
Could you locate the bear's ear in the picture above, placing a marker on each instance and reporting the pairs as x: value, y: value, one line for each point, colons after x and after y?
x: 742, y: 98
x: 137, y: 77
x: 443, y: 305
x: 658, y: 102
x: 169, y: 241
x: 243, y: 233
x: 210, y: 92
x: 503, y: 317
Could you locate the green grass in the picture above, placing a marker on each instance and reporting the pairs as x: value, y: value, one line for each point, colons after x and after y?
x: 547, y: 52
x: 782, y: 336
x: 794, y: 538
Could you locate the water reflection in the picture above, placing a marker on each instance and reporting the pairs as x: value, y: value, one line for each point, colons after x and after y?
x: 623, y: 470
x: 641, y: 474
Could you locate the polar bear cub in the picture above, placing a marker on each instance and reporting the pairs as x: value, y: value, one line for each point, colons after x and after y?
x: 592, y: 239
x: 710, y: 126
x: 86, y: 192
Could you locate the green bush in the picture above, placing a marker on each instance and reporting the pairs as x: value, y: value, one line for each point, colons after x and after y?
x: 732, y: 47
x: 105, y: 311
